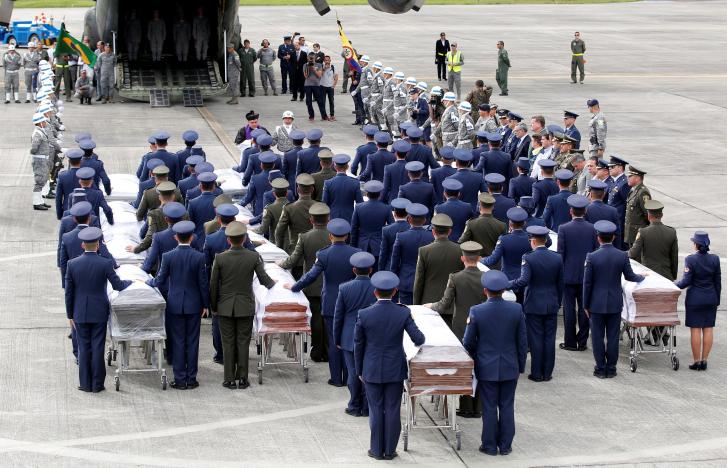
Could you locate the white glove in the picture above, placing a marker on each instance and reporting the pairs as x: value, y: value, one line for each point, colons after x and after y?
x: 63, y: 150
x: 59, y: 103
x: 353, y: 93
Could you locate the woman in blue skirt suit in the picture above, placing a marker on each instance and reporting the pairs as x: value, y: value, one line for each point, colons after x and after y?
x: 703, y: 278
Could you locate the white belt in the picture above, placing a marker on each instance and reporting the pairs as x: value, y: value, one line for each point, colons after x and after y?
x: 364, y: 87
x: 40, y: 156
x: 450, y: 133
x: 387, y: 100
x: 11, y: 71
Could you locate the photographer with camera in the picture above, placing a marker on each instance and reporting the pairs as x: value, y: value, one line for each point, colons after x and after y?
x: 312, y: 72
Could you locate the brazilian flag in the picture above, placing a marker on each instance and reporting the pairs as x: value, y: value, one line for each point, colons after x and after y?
x: 69, y: 45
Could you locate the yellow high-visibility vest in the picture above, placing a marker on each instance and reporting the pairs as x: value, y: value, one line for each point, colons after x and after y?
x: 454, y: 58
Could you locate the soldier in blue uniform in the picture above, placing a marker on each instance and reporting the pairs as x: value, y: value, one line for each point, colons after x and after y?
x: 576, y: 239
x: 510, y: 143
x: 405, y: 252
x: 545, y: 187
x: 482, y: 147
x: 556, y: 210
x: 360, y: 159
x: 522, y: 185
x: 602, y: 174
x: 439, y: 174
x: 418, y: 190
x: 260, y: 183
x: 91, y: 160
x: 389, y: 232
x: 67, y: 181
x: 190, y: 181
x: 141, y: 171
x: 569, y: 121
x: 195, y: 192
x: 603, y: 297
x: 190, y: 138
x: 333, y: 262
x: 618, y: 195
x: 369, y: 219
x: 376, y: 162
x: 420, y: 152
x: 511, y: 247
x: 290, y: 158
x: 201, y: 209
x: 252, y: 149
x: 381, y: 362
x: 395, y: 174
x: 495, y: 185
x: 459, y: 211
x: 341, y: 191
x: 353, y: 296
x: 496, y: 338
x: 265, y: 142
x: 169, y: 159
x: 150, y: 182
x: 87, y: 307
x: 541, y: 275
x: 68, y: 222
x: 188, y: 301
x: 472, y: 182
x: 527, y: 204
x: 308, y: 161
x: 286, y: 55
x: 597, y: 210
x: 93, y: 195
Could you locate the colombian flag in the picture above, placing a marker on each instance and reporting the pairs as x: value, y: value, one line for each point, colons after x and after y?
x: 68, y: 44
x: 348, y: 51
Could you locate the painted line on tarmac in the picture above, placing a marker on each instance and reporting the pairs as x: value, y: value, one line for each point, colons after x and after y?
x: 27, y: 256
x: 220, y: 133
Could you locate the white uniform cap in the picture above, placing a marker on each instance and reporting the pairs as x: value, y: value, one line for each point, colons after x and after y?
x: 11, y: 47
x: 364, y: 58
x: 288, y: 114
x: 388, y: 71
x: 465, y: 106
x: 450, y: 96
x: 38, y: 118
x: 42, y: 109
x: 378, y: 65
x: 437, y: 90
x: 399, y: 75
x: 422, y: 85
x: 411, y: 81
x: 59, y: 102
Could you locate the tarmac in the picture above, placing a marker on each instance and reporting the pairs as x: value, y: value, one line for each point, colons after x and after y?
x: 656, y: 70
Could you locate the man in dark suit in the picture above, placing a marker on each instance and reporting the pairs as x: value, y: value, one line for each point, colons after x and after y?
x: 603, y: 297
x: 298, y: 59
x: 521, y: 145
x: 541, y: 275
x: 381, y: 362
x: 87, y: 307
x: 353, y: 296
x: 441, y: 47
x: 233, y: 301
x: 496, y: 338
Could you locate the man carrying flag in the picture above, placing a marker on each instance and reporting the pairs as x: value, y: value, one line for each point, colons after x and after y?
x: 67, y: 46
x: 348, y: 53
x: 353, y: 68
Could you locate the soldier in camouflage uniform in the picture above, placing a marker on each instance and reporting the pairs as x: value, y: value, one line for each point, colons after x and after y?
x: 636, y: 216
x: 31, y: 59
x: 386, y: 116
x: 12, y: 63
x: 42, y: 149
x: 295, y: 220
x: 466, y: 127
x: 563, y: 158
x: 273, y: 212
x: 597, y: 129
x: 376, y: 100
x: 364, y: 84
x: 480, y: 95
x: 449, y: 124
x: 401, y: 99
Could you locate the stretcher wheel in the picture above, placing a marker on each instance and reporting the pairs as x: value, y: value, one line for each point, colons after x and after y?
x: 164, y: 382
x: 675, y: 363
x: 260, y: 376
x: 305, y: 347
x: 108, y: 358
x: 259, y: 349
x: 632, y: 364
x: 305, y: 374
x: 117, y: 383
x: 115, y: 352
x: 405, y: 440
x: 458, y: 438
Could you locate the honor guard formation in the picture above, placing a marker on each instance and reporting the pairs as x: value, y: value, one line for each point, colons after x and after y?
x: 492, y: 220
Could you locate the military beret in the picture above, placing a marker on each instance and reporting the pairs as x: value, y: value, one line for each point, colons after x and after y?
x: 257, y: 133
x: 86, y: 173
x: 235, y: 229
x: 517, y: 214
x: 617, y: 161
x: 494, y: 137
x: 160, y: 170
x: 82, y: 136
x: 297, y: 135
x: 401, y: 146
x: 653, y: 205
x: 197, y: 151
x: 221, y: 200
x: 486, y: 199
x: 252, y: 115
x: 414, y: 166
x: 461, y: 154
x: 452, y: 185
x: 494, y: 280
x: 207, y: 177
x: 74, y: 153
x: 563, y: 174
x: 400, y: 203
x: 81, y: 209
x: 527, y: 203
x: 227, y: 209
x: 341, y: 159
x: 471, y: 247
x: 700, y: 238
x: 495, y: 178
x: 166, y: 187
x: 173, y: 210
x: 362, y: 260
x: 161, y: 136
x: 183, y: 227
x: 569, y: 115
x: 86, y: 145
x: 314, y: 134
x: 151, y: 140
x: 370, y: 130
x: 382, y: 137
x: 267, y: 157
x: 634, y: 171
x: 537, y: 231
x: 384, y: 280
x: 417, y: 209
x: 577, y: 201
x: 602, y: 163
x: 605, y: 227
x: 514, y: 116
x: 484, y: 107
x: 90, y: 234
x: 264, y: 140
x: 415, y: 132
x: 190, y: 136
x: 194, y: 160
x: 447, y: 152
x: 305, y: 179
x: 546, y: 163
x: 442, y: 220
x: 592, y: 102
x: 502, y: 113
x: 373, y: 186
x: 338, y: 227
x: 523, y: 163
x: 280, y: 183
x: 595, y: 184
x: 319, y: 209
x: 204, y: 167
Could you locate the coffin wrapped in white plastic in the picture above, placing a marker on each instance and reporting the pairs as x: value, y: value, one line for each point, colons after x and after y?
x: 137, y: 312
x: 651, y: 302
x: 124, y: 232
x: 230, y: 181
x: 507, y: 295
x: 124, y: 187
x: 279, y: 310
x: 269, y: 252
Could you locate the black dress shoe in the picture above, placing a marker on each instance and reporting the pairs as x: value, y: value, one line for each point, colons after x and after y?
x: 351, y: 412
x: 84, y: 389
x: 97, y: 390
x: 464, y: 414
x: 232, y: 385
x: 583, y: 348
x: 294, y: 99
x: 600, y: 375
x: 704, y: 365
x: 364, y: 414
x: 374, y: 456
x: 567, y: 348
x: 40, y: 207
x: 506, y: 451
x: 534, y: 379
x: 391, y: 456
x: 193, y: 384
x: 331, y: 382
x: 696, y: 366
x: 547, y: 379
x: 217, y: 360
x: 610, y: 375
x: 488, y: 452
x: 47, y: 205
x: 244, y: 383
x: 178, y: 385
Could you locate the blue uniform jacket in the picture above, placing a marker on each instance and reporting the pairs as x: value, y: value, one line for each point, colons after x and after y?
x: 423, y: 154
x: 497, y: 340
x: 472, y: 184
x: 375, y: 164
x: 161, y: 243
x: 256, y: 191
x: 395, y: 176
x: 185, y: 185
x: 100, y: 176
x: 361, y: 157
x: 353, y: 296
x: 617, y: 197
x: 520, y: 186
x: 421, y: 112
x: 142, y: 173
x: 498, y: 162
x: 339, y: 193
x: 557, y: 211
x: 283, y: 50
x: 169, y: 160
x: 702, y: 275
x: 573, y: 132
x: 71, y: 248
x: 419, y: 191
x: 541, y: 275
x: 201, y: 210
x: 510, y: 248
x: 333, y: 262
x: 366, y: 225
x: 217, y: 243
x: 378, y: 343
x: 95, y: 197
x: 308, y: 160
x: 502, y: 204
x: 437, y: 177
x: 195, y: 192
x: 460, y: 212
x: 542, y: 189
x: 388, y: 236
x: 597, y: 210
x: 602, y: 292
x: 289, y: 165
x: 405, y: 254
x: 576, y: 239
x: 254, y: 167
x: 67, y: 181
x: 86, y: 299
x: 68, y: 224
x: 184, y: 268
x: 245, y: 157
